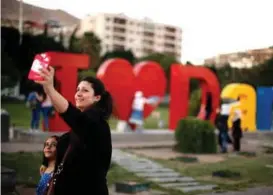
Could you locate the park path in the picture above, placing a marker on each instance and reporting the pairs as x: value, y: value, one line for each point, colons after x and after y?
x: 155, y: 172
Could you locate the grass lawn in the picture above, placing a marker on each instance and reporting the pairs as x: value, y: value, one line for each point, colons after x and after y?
x: 253, y: 171
x: 27, y: 164
x: 20, y: 116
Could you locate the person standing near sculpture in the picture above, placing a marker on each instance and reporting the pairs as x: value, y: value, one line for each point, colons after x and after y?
x: 84, y: 153
x: 47, y: 109
x: 222, y: 125
x: 237, y: 134
x: 136, y: 119
x: 34, y: 104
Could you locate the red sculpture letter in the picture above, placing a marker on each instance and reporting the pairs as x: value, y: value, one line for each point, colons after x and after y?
x: 67, y: 66
x: 180, y: 83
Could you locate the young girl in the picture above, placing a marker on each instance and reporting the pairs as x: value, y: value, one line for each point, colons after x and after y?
x: 136, y: 118
x: 47, y: 168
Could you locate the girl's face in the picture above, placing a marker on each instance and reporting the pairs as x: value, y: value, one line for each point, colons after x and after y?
x: 50, y: 148
x: 85, y: 95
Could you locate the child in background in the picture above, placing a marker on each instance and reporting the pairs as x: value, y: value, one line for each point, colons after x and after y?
x: 137, y: 115
x: 48, y: 165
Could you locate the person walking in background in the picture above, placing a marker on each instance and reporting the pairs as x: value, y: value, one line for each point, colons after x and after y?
x: 47, y: 109
x: 222, y: 125
x: 48, y: 164
x: 236, y: 129
x: 136, y: 119
x: 34, y: 104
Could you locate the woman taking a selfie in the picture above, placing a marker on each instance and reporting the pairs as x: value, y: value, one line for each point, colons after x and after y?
x: 84, y: 153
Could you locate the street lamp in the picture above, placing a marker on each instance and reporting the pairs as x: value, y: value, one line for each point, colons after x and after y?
x: 20, y: 27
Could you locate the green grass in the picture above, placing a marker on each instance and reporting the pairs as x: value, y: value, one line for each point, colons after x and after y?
x: 253, y: 171
x: 26, y: 165
x: 20, y: 116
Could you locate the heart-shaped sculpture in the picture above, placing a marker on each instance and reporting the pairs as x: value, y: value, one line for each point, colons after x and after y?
x: 122, y: 80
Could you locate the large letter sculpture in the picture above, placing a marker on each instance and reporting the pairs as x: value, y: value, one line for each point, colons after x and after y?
x: 265, y: 108
x: 247, y: 96
x: 122, y: 81
x: 67, y: 66
x: 180, y: 83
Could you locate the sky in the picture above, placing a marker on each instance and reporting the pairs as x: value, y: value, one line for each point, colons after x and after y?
x: 210, y: 27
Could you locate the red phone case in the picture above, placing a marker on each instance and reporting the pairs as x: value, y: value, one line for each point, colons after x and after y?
x: 40, y: 61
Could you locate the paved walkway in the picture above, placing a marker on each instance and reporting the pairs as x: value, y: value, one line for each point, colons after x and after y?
x: 155, y: 172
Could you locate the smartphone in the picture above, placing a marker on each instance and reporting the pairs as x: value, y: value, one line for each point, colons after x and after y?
x: 40, y: 61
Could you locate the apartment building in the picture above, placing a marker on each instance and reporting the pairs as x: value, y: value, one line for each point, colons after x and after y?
x: 243, y: 59
x: 117, y: 31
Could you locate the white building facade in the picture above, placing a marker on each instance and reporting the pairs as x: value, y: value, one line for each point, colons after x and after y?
x: 118, y: 31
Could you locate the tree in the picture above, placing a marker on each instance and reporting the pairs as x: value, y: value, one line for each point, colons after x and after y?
x: 32, y: 45
x: 89, y: 44
x: 124, y: 54
x: 10, y: 41
x: 10, y: 74
x: 264, y: 73
x: 164, y: 60
x: 188, y: 63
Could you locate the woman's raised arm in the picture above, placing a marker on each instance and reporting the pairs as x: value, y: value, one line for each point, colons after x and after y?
x: 58, y: 101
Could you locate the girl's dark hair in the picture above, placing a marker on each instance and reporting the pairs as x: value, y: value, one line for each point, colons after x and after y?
x: 105, y: 105
x: 45, y: 160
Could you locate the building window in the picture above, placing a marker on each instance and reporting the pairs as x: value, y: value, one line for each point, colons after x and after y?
x: 118, y: 47
x: 168, y: 37
x: 119, y: 38
x: 119, y: 30
x: 119, y: 21
x: 170, y: 29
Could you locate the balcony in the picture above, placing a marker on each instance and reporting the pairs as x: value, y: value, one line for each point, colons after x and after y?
x: 148, y: 42
x: 118, y: 47
x: 170, y: 29
x: 169, y: 37
x: 147, y: 50
x: 119, y: 30
x: 121, y: 21
x: 119, y: 38
x: 169, y: 45
x: 148, y: 34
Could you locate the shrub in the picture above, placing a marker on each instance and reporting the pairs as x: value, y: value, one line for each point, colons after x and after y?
x: 195, y: 136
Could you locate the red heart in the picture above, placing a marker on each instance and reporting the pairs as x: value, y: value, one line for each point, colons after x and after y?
x: 122, y: 81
